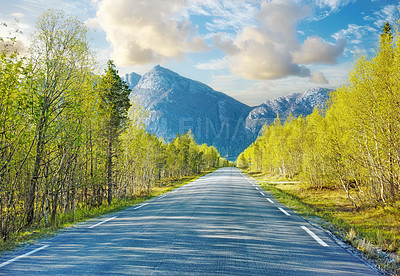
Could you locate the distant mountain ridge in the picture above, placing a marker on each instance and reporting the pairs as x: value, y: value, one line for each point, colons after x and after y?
x: 177, y: 104
x: 296, y: 104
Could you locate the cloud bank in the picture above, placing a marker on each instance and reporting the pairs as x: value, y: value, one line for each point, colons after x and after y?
x: 318, y: 77
x: 315, y: 50
x: 258, y: 37
x: 271, y: 49
x: 143, y: 32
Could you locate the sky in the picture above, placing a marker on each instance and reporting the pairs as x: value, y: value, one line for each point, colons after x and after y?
x: 252, y: 50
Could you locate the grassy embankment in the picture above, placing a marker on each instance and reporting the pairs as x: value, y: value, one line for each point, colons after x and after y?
x: 374, y: 230
x: 66, y: 220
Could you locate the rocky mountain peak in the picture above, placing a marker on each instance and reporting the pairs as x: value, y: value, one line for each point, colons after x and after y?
x: 132, y: 79
x: 296, y: 104
x: 177, y: 104
x: 161, y: 71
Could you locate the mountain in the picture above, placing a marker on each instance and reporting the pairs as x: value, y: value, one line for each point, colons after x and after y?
x: 177, y: 104
x: 132, y: 79
x: 296, y: 104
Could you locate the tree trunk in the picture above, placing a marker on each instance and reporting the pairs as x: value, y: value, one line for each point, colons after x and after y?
x: 36, y: 169
x: 109, y: 171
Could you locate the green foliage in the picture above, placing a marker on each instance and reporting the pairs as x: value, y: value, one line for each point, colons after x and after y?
x: 15, y: 137
x: 114, y: 105
x: 70, y: 140
x: 354, y: 144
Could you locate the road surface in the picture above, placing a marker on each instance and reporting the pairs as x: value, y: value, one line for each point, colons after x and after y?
x: 221, y: 224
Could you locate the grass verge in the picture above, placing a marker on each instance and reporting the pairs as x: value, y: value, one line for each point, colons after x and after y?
x: 373, y: 230
x: 31, y: 235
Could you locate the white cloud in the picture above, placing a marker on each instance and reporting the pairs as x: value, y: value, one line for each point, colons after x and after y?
x: 334, y: 5
x: 262, y: 52
x: 225, y: 15
x: 358, y: 38
x: 389, y: 13
x: 354, y: 33
x: 327, y: 7
x: 315, y: 50
x: 225, y: 43
x: 271, y: 50
x: 260, y: 57
x: 147, y: 31
x: 318, y: 77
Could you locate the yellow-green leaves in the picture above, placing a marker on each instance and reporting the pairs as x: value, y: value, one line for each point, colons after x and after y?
x: 354, y: 143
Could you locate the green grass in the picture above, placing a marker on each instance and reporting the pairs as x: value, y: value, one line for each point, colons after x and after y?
x: 30, y: 235
x: 365, y: 229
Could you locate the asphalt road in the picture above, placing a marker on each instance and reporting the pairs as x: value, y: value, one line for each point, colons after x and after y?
x: 220, y: 224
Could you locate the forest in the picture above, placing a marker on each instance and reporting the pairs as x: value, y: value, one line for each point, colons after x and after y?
x: 353, y: 143
x: 71, y: 138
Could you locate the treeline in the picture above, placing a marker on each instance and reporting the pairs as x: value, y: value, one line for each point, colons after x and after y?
x: 353, y: 144
x: 70, y: 138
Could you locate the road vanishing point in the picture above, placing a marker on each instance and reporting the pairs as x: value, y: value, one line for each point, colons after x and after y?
x: 220, y: 224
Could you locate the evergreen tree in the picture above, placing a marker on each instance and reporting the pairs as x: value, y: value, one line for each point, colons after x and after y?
x: 115, y: 105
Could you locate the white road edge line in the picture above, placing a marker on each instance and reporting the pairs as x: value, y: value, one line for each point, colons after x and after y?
x: 101, y: 222
x: 283, y: 211
x: 315, y: 237
x: 262, y: 193
x: 256, y: 188
x: 270, y: 200
x: 140, y: 206
x: 24, y: 255
x: 162, y: 196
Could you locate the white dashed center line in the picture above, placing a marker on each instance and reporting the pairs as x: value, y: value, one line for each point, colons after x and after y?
x: 315, y: 237
x: 104, y: 221
x: 140, y: 206
x: 24, y: 255
x: 270, y: 200
x: 283, y: 211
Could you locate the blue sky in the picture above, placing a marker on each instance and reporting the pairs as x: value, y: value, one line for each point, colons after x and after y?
x: 252, y: 50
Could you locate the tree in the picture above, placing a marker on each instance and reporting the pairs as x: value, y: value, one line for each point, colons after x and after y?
x: 371, y: 101
x: 15, y: 72
x: 66, y: 138
x: 60, y: 59
x: 387, y: 32
x: 115, y: 105
x: 355, y: 143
